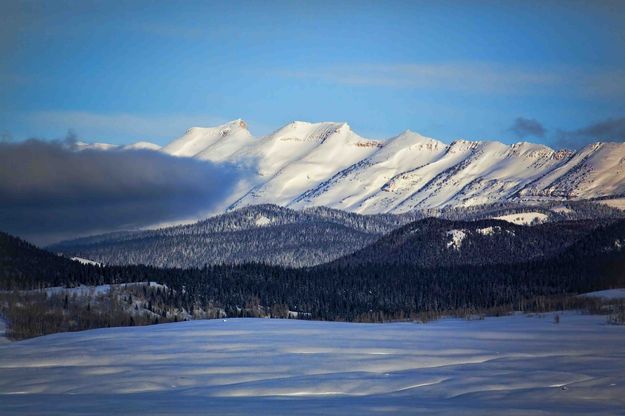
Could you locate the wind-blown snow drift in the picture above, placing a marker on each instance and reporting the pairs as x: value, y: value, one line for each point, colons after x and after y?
x: 517, y: 365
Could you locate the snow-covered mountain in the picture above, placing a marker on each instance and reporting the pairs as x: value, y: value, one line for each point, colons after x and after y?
x: 80, y: 145
x: 327, y: 164
x: 143, y: 145
x: 216, y: 144
x: 597, y: 170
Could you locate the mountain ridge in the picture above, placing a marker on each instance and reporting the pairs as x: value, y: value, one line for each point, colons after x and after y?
x: 267, y: 234
x: 436, y: 242
x: 304, y: 164
x: 276, y: 235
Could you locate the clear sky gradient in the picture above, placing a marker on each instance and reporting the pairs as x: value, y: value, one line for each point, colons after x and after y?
x: 120, y: 72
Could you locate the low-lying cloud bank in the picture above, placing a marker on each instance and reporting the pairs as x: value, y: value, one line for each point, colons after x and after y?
x: 49, y: 192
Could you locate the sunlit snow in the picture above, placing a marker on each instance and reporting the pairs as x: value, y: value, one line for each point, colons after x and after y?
x: 456, y: 238
x: 607, y: 294
x: 524, y: 218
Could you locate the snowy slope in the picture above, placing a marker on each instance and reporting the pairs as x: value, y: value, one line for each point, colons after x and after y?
x: 215, y: 144
x: 524, y: 218
x: 327, y: 164
x: 142, y: 146
x: 363, y: 184
x: 609, y: 294
x: 473, y: 173
x: 85, y: 261
x: 79, y: 146
x: 286, y: 145
x: 597, y: 170
x: 520, y: 365
x: 302, y: 158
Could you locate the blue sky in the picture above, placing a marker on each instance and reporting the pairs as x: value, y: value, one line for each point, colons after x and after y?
x: 126, y: 71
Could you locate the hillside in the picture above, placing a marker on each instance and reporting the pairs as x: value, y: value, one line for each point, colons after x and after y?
x: 24, y: 265
x: 266, y: 234
x: 276, y: 235
x: 440, y: 243
x: 389, y: 285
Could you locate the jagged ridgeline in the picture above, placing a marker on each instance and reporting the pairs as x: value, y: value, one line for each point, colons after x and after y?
x: 328, y: 164
x: 280, y: 236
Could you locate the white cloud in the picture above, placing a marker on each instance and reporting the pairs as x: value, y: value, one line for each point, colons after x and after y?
x: 472, y: 77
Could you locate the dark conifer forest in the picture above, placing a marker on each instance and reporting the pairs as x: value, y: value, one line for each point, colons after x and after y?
x: 361, y: 286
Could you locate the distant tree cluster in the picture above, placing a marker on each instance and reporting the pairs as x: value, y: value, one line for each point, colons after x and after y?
x: 36, y: 313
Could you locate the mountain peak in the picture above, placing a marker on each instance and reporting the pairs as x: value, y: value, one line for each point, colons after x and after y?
x: 532, y: 150
x: 305, y: 164
x: 409, y: 138
x: 211, y: 143
x: 239, y: 122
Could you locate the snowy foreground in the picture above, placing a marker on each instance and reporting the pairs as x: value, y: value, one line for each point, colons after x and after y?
x: 512, y: 365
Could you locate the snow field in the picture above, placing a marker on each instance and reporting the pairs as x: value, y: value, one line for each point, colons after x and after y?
x: 517, y: 364
x: 524, y: 218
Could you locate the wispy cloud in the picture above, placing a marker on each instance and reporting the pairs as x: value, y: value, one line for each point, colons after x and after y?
x: 470, y: 77
x: 525, y: 127
x: 464, y: 77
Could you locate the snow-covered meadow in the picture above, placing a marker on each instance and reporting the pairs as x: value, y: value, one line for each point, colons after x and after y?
x: 514, y: 365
